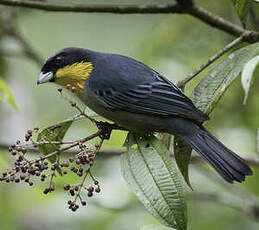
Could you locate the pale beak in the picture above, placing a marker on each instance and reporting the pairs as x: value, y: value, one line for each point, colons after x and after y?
x: 45, y: 77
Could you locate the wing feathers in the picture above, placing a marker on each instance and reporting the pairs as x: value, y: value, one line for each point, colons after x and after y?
x: 156, y: 98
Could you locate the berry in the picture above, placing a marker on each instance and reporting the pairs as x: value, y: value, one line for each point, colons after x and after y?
x: 98, y: 190
x: 19, y: 148
x: 90, y: 189
x: 74, y: 208
x: 27, y: 137
x: 72, y: 192
x: 90, y: 194
x: 65, y: 164
x: 66, y: 187
x: 24, y: 150
x: 46, y: 191
x: 71, y: 159
x: 73, y: 89
x: 60, y: 90
x: 83, y: 203
x: 68, y: 86
x: 22, y: 176
x: 29, y: 132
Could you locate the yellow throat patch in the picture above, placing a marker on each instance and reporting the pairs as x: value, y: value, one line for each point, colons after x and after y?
x: 75, y: 75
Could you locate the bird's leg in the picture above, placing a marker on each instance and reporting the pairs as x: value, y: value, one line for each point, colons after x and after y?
x: 107, y: 128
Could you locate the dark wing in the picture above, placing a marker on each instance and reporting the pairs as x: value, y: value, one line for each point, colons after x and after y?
x: 159, y: 97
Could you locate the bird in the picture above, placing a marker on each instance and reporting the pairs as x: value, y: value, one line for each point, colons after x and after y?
x: 138, y: 98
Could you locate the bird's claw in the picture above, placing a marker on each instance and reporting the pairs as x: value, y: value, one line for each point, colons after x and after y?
x: 106, y: 129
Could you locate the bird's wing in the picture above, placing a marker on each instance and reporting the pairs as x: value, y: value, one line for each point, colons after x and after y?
x: 159, y: 97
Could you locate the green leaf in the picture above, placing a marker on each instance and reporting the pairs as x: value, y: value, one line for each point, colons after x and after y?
x: 151, y: 174
x: 155, y: 227
x: 166, y: 140
x: 257, y: 145
x: 182, y: 154
x: 242, y: 8
x: 208, y: 92
x: 6, y: 94
x: 210, y: 89
x: 248, y: 73
x: 48, y: 134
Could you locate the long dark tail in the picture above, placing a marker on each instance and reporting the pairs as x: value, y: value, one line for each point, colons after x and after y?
x: 228, y: 164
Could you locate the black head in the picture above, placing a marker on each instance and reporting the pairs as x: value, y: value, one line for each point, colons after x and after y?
x: 62, y: 58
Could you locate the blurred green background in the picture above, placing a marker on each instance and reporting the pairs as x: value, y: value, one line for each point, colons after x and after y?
x: 174, y: 45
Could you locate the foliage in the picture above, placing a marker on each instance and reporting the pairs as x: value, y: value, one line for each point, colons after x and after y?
x: 147, y: 165
x: 242, y: 9
x: 154, y: 179
x: 211, y: 88
x: 250, y: 71
x: 6, y: 94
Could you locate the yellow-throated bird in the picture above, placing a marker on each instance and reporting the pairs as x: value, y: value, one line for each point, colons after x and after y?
x: 137, y: 97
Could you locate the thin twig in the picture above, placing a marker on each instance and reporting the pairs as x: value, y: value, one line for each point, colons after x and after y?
x: 228, y: 47
x: 76, y: 143
x: 81, y: 185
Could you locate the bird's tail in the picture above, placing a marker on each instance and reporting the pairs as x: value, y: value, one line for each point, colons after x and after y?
x: 228, y: 164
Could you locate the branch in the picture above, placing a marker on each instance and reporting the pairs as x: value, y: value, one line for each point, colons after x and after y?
x: 27, y: 49
x: 222, y: 24
x: 9, y: 20
x: 97, y: 8
x: 185, y: 7
x: 228, y: 47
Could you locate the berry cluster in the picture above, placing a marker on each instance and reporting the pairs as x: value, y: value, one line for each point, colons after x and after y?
x: 48, y: 166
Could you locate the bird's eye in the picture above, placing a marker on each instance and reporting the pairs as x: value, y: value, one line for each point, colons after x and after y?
x: 59, y: 60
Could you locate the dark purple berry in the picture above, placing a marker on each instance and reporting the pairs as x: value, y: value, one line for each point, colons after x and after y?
x: 66, y: 187
x: 46, y: 191
x: 98, y: 190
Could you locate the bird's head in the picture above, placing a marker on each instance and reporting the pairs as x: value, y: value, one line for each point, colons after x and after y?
x: 68, y: 66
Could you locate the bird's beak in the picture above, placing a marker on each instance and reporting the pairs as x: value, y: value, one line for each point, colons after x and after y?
x: 45, y: 77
